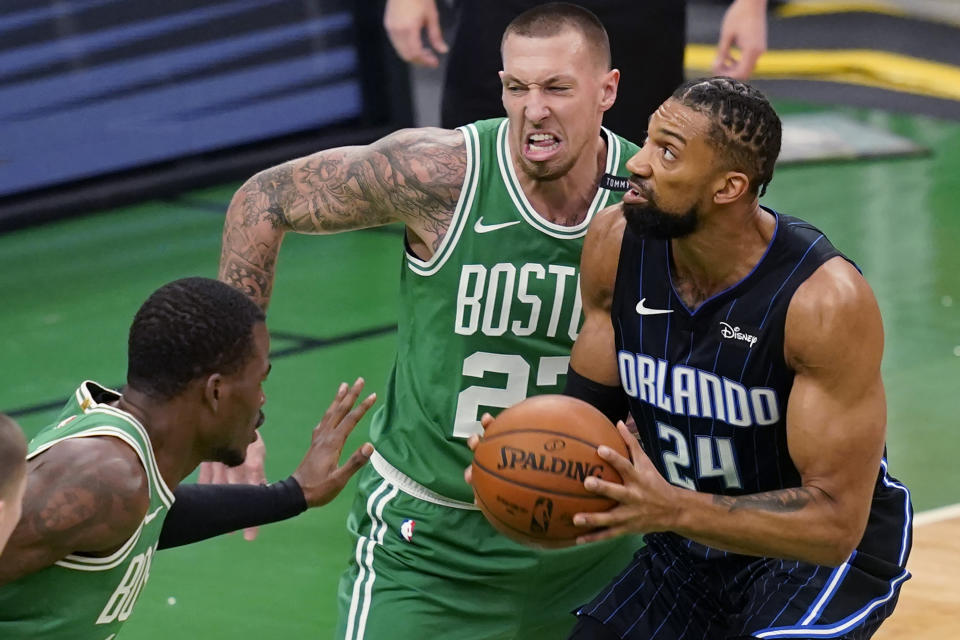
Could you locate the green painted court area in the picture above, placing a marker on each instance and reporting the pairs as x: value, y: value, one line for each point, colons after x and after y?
x: 70, y: 290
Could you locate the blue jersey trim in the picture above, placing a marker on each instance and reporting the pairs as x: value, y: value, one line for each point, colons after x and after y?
x: 837, y: 629
x: 773, y: 239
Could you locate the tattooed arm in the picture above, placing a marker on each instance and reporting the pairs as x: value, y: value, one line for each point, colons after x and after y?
x: 412, y: 176
x: 85, y: 495
x: 836, y: 422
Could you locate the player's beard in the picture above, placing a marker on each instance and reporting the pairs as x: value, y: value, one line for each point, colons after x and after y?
x: 650, y: 221
x: 547, y: 171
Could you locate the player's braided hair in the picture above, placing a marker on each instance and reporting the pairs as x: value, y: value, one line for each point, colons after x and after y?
x: 187, y: 329
x: 745, y: 128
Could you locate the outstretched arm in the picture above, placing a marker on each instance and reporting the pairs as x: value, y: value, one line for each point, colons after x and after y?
x: 83, y: 494
x: 836, y: 422
x: 412, y: 176
x: 203, y: 511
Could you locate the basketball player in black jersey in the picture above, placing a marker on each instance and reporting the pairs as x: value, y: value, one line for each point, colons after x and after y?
x: 748, y: 349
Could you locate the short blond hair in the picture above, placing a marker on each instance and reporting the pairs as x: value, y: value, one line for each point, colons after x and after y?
x: 551, y: 19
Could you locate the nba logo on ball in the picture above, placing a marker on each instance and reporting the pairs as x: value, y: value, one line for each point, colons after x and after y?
x: 540, y: 518
x: 529, y: 469
x: 406, y: 529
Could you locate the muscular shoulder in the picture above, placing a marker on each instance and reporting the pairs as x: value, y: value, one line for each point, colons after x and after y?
x: 833, y: 319
x: 427, y: 158
x: 601, y: 254
x: 88, y: 482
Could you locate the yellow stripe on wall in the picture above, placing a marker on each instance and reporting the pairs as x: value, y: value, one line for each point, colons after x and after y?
x: 815, y: 8
x: 850, y: 66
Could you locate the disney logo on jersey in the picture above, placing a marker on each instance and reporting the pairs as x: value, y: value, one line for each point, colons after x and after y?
x: 729, y: 332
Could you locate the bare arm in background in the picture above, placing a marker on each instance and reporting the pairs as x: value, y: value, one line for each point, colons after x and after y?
x: 745, y: 27
x: 406, y: 21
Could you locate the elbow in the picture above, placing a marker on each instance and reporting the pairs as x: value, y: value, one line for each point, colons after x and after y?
x: 260, y: 203
x: 840, y: 540
x: 832, y: 555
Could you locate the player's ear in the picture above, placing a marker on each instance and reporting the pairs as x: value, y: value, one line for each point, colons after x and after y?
x: 212, y: 389
x: 730, y: 186
x: 611, y: 80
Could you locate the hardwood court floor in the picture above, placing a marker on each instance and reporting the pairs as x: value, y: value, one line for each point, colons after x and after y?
x: 70, y: 289
x: 929, y: 607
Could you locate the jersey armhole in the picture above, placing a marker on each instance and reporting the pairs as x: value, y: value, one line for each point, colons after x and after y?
x: 104, y: 563
x: 461, y: 212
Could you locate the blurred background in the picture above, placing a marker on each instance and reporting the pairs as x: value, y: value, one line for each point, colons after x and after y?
x: 126, y: 126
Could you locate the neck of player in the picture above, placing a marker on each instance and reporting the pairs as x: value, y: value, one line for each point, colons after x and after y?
x: 567, y: 199
x: 725, y: 248
x: 174, y: 450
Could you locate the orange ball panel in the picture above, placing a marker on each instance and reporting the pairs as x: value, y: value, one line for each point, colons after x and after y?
x: 529, y: 468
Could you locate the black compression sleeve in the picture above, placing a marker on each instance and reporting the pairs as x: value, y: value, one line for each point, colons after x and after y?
x: 611, y: 400
x: 203, y: 511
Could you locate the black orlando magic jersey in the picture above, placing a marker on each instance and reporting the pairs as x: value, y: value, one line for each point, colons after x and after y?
x: 708, y: 389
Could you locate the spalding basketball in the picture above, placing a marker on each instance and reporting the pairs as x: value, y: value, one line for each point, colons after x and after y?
x: 529, y: 468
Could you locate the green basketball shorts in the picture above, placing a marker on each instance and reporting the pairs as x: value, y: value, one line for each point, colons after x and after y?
x: 427, y: 570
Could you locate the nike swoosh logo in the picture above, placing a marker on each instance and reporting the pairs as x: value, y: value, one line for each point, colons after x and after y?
x: 646, y: 311
x: 150, y: 516
x: 479, y: 227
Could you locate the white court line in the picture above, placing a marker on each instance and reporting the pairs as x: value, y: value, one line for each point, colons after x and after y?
x: 937, y: 515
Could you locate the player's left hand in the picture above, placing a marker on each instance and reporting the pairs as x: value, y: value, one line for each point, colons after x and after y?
x: 645, y: 497
x: 250, y: 472
x: 744, y: 27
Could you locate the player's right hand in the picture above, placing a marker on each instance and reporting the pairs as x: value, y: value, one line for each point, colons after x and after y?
x: 485, y: 421
x: 318, y: 475
x: 405, y: 21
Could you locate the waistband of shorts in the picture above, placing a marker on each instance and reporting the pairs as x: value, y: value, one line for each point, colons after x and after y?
x: 413, y: 488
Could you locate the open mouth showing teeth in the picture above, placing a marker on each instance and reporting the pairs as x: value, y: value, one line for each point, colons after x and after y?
x: 542, y: 142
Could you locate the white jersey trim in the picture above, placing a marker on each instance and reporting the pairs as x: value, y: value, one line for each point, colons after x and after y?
x: 92, y: 563
x: 413, y: 488
x: 86, y: 401
x: 522, y: 204
x: 461, y: 212
x: 89, y: 563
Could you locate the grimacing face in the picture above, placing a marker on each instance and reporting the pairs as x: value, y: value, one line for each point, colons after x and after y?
x: 555, y: 91
x: 673, y: 175
x: 243, y: 399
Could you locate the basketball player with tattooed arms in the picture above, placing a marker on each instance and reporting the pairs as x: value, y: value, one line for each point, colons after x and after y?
x: 495, y: 214
x: 102, y: 483
x: 747, y: 348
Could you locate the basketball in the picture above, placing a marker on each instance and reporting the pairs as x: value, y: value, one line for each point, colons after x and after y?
x: 529, y: 467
